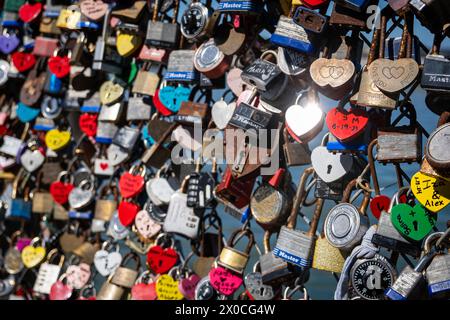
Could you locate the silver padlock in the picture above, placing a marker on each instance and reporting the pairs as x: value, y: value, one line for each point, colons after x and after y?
x: 126, y: 137
x: 138, y: 109
x: 82, y: 195
x: 48, y: 273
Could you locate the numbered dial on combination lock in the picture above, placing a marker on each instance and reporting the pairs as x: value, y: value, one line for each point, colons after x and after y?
x: 200, y: 190
x: 194, y: 21
x: 371, y: 277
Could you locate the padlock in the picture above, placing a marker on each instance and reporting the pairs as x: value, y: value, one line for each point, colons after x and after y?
x: 437, y: 273
x: 110, y: 291
x: 270, y: 202
x: 436, y: 155
x: 20, y: 207
x: 124, y: 276
x: 295, y: 154
x: 48, y: 21
x: 345, y: 224
x: 431, y: 13
x: 197, y: 22
x: 106, y: 57
x: 12, y: 260
x: 243, y: 7
x: 210, y: 60
x: 369, y: 95
x: 32, y: 89
x: 138, y: 109
x: 126, y: 138
x: 157, y: 155
x: 86, y: 251
x: 147, y: 80
x: 273, y: 269
x: 42, y: 202
x: 180, y: 218
x: 387, y: 236
x: 310, y: 20
x: 104, y: 207
x: 411, y: 283
x: 48, y: 273
x: 297, y: 247
x: 162, y: 34
x: 255, y: 288
x: 327, y: 257
x: 180, y: 66
x: 383, y: 71
x: 435, y: 68
x: 233, y: 259
x: 400, y: 144
x: 81, y: 196
x: 128, y: 39
x: 200, y: 187
x: 355, y: 5
x: 291, y: 35
x: 69, y: 18
x: 371, y: 277
x: 349, y: 19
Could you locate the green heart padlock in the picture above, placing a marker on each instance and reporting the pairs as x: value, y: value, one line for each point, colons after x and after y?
x: 414, y: 223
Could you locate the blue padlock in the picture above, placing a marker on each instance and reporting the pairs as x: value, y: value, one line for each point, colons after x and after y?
x: 26, y: 113
x: 355, y: 5
x: 53, y: 84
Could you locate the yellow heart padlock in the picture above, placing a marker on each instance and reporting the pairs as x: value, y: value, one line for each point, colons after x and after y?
x: 432, y: 192
x: 32, y: 255
x: 56, y: 140
x: 110, y: 92
x: 127, y: 43
x: 167, y: 288
x: 69, y: 18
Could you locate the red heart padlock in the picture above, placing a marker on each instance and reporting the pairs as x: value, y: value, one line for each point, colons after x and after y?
x: 142, y: 291
x: 88, y: 123
x: 130, y: 185
x: 127, y: 212
x: 28, y: 12
x: 60, y: 291
x: 346, y: 125
x: 59, y: 66
x: 161, y: 260
x: 225, y: 281
x: 379, y: 203
x: 23, y: 61
x: 314, y: 4
x: 60, y: 191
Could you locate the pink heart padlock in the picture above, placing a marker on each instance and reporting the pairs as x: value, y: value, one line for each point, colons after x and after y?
x: 224, y: 280
x: 145, y: 225
x: 78, y: 275
x: 60, y: 291
x: 187, y: 286
x: 143, y: 291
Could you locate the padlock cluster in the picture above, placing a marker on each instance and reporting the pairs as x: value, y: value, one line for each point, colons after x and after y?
x: 131, y: 129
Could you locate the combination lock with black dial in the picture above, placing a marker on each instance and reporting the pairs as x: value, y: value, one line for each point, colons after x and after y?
x: 197, y: 22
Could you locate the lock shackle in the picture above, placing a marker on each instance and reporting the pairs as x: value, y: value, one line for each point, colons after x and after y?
x: 164, y: 236
x: 54, y: 253
x: 444, y: 237
x: 64, y: 174
x: 431, y: 241
x: 145, y: 277
x: 238, y: 234
x: 373, y: 170
x: 174, y: 271
x: 131, y: 256
x: 90, y: 286
x: 141, y: 170
x: 269, y: 52
x: 257, y: 266
x: 35, y: 241
x: 348, y: 191
x: 12, y: 240
x: 266, y: 241
x: 287, y: 295
x: 395, y: 198
x: 299, y: 197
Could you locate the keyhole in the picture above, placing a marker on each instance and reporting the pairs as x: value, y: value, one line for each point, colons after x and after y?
x: 416, y: 225
x: 329, y: 169
x: 261, y: 291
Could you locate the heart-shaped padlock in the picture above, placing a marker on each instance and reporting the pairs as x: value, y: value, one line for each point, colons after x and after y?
x: 32, y: 255
x: 432, y: 192
x: 222, y: 112
x: 26, y: 113
x: 187, y: 286
x: 60, y: 290
x: 88, y: 123
x: 107, y: 262
x: 225, y: 281
x: 346, y: 125
x: 255, y: 287
x: 32, y: 160
x: 160, y: 260
x: 56, y: 139
x: 145, y: 225
x: 60, y: 190
x: 167, y: 288
x: 78, y: 275
x: 127, y: 43
x: 30, y: 11
x: 330, y: 167
x: 127, y: 212
x: 23, y: 61
x: 82, y: 195
x: 110, y: 92
x: 93, y: 9
x: 8, y: 43
x: 131, y: 184
x: 414, y: 223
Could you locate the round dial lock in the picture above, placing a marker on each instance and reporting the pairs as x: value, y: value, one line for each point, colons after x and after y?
x: 342, y: 224
x: 194, y: 21
x: 210, y: 60
x: 371, y: 277
x: 51, y: 107
x: 155, y: 212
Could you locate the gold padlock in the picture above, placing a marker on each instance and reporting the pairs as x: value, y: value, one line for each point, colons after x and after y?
x: 69, y: 18
x: 59, y: 212
x: 86, y: 251
x: 326, y: 257
x: 233, y: 259
x: 126, y: 277
x: 110, y: 291
x: 104, y: 208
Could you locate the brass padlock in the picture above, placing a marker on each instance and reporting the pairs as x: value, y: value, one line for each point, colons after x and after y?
x: 232, y: 258
x: 110, y: 291
x: 104, y: 208
x: 125, y: 277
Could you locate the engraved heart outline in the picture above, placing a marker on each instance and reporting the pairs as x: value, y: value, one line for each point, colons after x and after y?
x: 387, y: 76
x: 333, y: 73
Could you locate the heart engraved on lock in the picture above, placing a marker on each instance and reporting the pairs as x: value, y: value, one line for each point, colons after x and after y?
x: 32, y: 160
x: 332, y: 72
x: 224, y: 280
x: 346, y: 125
x: 56, y: 140
x: 110, y: 92
x: 93, y: 9
x: 23, y: 61
x: 255, y: 287
x: 330, y: 167
x: 393, y: 75
x: 128, y: 43
x: 161, y: 260
x: 167, y: 288
x: 32, y: 256
x: 187, y: 286
x: 414, y: 223
x: 107, y: 262
x: 59, y: 66
x: 432, y: 192
x: 145, y: 225
x: 130, y: 185
x: 30, y: 11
